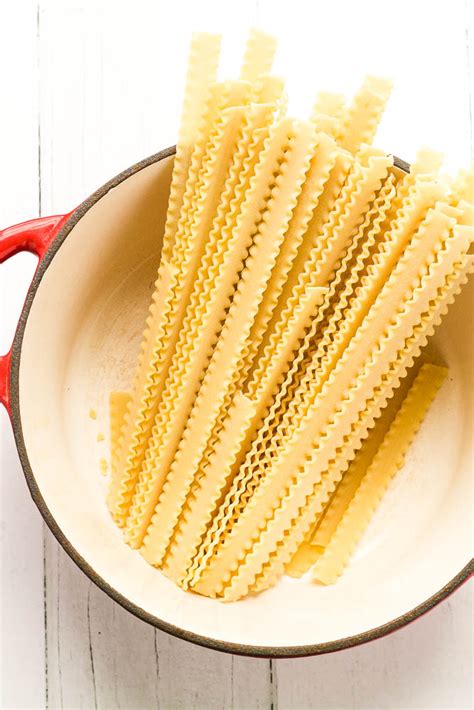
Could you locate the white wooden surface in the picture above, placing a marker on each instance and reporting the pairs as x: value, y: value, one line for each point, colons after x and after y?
x: 88, y: 88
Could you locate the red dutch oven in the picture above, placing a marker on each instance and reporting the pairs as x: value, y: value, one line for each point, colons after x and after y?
x: 77, y: 339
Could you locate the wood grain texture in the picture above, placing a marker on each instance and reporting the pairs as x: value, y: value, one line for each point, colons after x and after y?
x: 96, y: 86
x: 399, y: 671
x: 21, y: 543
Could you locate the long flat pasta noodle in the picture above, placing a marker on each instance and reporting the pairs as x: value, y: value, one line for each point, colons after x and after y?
x: 258, y: 57
x: 202, y: 71
x: 273, y: 569
x: 363, y: 116
x: 265, y: 496
x: 159, y: 336
x: 328, y: 112
x: 437, y: 270
x: 347, y: 486
x: 271, y: 90
x: 463, y: 186
x: 303, y: 559
x: 230, y: 349
x: 118, y: 406
x: 387, y: 461
x: 211, y: 296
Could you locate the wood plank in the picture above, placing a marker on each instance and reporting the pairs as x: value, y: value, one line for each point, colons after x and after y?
x: 425, y: 665
x: 190, y: 676
x: 21, y: 545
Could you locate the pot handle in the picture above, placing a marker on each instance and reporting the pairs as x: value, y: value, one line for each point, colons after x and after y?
x: 34, y: 236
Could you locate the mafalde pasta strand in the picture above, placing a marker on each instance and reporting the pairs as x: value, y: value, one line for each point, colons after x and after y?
x: 230, y: 350
x: 303, y: 559
x: 328, y: 113
x: 258, y: 57
x: 202, y: 71
x: 387, y: 461
x: 266, y: 496
x: 362, y: 118
x: 213, y: 288
x: 160, y: 334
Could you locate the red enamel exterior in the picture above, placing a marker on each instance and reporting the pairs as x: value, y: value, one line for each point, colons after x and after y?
x: 34, y: 236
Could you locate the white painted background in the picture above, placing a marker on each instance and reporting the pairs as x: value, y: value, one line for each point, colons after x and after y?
x: 88, y: 88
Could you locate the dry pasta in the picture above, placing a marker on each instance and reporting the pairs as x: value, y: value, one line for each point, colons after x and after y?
x: 301, y: 274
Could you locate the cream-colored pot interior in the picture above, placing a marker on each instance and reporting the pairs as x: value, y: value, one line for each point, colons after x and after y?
x: 80, y: 342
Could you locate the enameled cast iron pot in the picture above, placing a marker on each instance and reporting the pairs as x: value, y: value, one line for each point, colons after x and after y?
x: 77, y: 340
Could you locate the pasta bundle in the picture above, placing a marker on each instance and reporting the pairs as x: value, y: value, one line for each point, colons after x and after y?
x: 279, y: 382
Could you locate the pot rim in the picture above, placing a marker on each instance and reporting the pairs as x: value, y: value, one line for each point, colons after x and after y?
x: 216, y: 644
